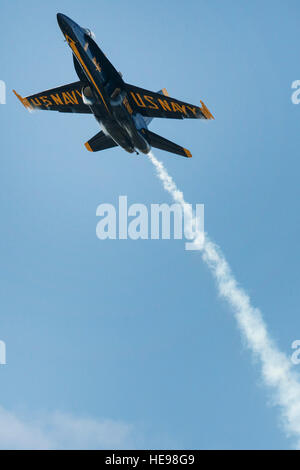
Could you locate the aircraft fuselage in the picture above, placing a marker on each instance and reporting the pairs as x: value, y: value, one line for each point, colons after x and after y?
x: 104, y: 91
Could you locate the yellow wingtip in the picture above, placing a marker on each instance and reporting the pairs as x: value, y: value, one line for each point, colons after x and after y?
x: 88, y: 147
x: 188, y: 153
x: 206, y: 111
x: 164, y: 90
x: 24, y: 101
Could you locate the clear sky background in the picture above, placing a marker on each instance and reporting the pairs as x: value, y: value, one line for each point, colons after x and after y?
x: 126, y: 343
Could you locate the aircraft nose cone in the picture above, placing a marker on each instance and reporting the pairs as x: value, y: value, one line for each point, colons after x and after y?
x: 64, y: 22
x: 61, y: 19
x: 67, y: 25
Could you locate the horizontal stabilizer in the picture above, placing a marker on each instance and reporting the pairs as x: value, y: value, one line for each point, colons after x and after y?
x: 163, y: 144
x: 99, y: 142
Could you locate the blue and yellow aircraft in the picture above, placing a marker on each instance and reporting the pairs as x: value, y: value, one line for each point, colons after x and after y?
x: 123, y: 111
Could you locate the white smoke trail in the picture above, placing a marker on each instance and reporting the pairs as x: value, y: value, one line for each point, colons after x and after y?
x: 276, y: 367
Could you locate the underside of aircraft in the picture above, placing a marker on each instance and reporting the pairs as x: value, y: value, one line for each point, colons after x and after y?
x: 123, y: 111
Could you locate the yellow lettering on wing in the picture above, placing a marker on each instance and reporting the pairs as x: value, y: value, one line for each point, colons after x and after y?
x: 45, y: 101
x: 57, y: 99
x: 164, y: 104
x: 67, y: 98
x: 36, y: 102
x: 194, y: 110
x: 150, y: 100
x: 177, y: 107
x: 183, y: 109
x: 138, y: 101
x: 74, y: 96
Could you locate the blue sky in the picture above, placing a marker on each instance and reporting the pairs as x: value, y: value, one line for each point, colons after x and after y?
x: 129, y: 339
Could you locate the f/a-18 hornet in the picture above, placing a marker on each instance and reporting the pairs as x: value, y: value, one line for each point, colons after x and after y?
x: 123, y: 111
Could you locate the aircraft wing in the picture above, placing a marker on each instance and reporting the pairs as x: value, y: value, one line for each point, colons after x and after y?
x: 65, y: 99
x: 151, y: 104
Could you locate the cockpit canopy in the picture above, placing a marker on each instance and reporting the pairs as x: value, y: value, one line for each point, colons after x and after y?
x: 90, y: 33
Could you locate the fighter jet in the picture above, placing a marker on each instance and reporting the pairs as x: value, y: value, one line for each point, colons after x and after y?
x: 123, y: 111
